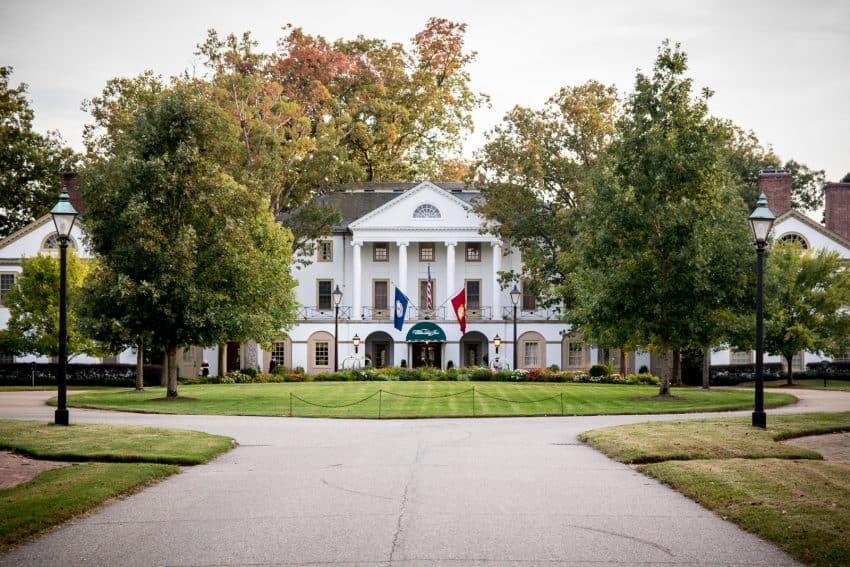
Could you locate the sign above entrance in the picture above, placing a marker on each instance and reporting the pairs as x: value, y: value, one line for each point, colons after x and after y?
x: 425, y: 331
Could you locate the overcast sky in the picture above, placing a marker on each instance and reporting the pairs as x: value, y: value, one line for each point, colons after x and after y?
x: 777, y: 67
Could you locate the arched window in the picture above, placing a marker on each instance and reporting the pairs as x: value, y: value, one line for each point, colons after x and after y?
x: 51, y: 244
x: 797, y: 239
x: 426, y: 211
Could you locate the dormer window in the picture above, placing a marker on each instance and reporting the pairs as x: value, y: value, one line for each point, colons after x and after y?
x: 426, y: 211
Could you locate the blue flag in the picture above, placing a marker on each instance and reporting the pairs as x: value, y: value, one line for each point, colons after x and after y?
x: 400, y: 309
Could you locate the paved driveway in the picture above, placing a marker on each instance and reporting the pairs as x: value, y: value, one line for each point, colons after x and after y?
x: 506, y: 491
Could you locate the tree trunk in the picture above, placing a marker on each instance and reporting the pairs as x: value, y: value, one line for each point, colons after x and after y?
x: 664, y: 355
x: 140, y: 365
x: 622, y: 362
x: 676, y: 375
x: 706, y: 368
x: 171, y: 355
x: 222, y: 359
x: 163, y: 379
x: 790, y: 359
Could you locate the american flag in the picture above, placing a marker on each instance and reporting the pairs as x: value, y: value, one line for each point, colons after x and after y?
x: 429, y: 300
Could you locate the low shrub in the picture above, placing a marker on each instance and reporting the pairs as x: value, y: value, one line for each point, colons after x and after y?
x: 599, y: 370
x: 123, y: 375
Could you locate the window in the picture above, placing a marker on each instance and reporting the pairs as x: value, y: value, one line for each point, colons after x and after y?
x: 7, y: 281
x: 473, y: 294
x: 279, y: 353
x: 529, y: 302
x: 188, y: 355
x: 424, y: 303
x: 796, y: 239
x: 325, y: 294
x: 6, y: 359
x: 473, y: 252
x: 322, y: 354
x: 51, y: 243
x: 575, y: 354
x: 741, y: 357
x: 426, y: 252
x: 326, y: 251
x: 426, y: 211
x: 381, y: 252
x: 380, y: 295
x: 529, y: 358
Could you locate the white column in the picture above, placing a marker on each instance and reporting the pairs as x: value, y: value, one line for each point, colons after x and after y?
x: 450, y: 269
x: 401, y: 281
x: 355, y: 282
x: 497, y: 292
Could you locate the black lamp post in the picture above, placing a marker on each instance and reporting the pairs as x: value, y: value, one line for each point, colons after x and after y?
x: 761, y: 221
x: 515, y: 299
x: 337, y: 294
x: 497, y: 342
x: 64, y: 216
x: 356, y: 342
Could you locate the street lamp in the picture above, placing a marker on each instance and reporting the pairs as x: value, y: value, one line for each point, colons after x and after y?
x: 497, y: 342
x: 515, y: 299
x: 337, y: 294
x: 356, y: 342
x: 761, y: 220
x: 64, y: 216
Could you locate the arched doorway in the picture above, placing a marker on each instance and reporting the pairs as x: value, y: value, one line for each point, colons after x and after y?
x: 473, y: 349
x: 426, y: 340
x: 379, y: 350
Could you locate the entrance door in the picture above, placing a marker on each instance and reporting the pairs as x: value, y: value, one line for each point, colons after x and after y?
x: 380, y: 354
x: 233, y: 356
x: 427, y: 354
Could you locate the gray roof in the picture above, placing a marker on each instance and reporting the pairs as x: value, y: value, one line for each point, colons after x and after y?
x: 358, y: 199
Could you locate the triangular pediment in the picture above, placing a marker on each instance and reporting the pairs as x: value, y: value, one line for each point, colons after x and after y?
x: 815, y: 234
x: 425, y: 209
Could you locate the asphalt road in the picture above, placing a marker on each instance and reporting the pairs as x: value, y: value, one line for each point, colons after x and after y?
x: 508, y: 491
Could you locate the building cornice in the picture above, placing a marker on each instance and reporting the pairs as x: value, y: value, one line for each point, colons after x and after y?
x: 17, y: 235
x: 832, y: 235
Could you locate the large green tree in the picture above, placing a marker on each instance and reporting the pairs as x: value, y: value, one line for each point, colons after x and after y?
x: 659, y: 226
x: 196, y: 256
x: 33, y: 326
x: 531, y: 173
x: 30, y: 163
x: 805, y: 298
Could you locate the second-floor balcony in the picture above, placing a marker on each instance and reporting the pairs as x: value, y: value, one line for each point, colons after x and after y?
x: 439, y: 313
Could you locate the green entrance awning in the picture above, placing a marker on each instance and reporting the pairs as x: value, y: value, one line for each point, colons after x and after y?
x: 426, y: 331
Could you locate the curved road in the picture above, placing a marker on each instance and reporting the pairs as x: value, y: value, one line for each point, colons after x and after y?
x: 506, y: 491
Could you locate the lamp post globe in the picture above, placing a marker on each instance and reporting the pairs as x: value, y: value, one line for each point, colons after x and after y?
x: 64, y: 216
x: 515, y: 300
x: 761, y: 221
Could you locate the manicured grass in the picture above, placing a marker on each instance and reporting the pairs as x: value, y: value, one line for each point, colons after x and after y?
x: 420, y: 399
x: 748, y: 477
x: 134, y: 454
x: 56, y: 496
x: 84, y: 442
x: 713, y: 439
x: 811, y: 384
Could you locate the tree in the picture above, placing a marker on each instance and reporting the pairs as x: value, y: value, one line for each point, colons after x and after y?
x: 33, y: 326
x: 197, y: 256
x: 805, y: 296
x: 30, y: 163
x: 846, y: 178
x: 531, y: 173
x: 658, y: 227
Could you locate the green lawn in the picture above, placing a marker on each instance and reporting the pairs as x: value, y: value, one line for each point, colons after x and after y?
x: 419, y: 399
x: 53, y: 497
x: 784, y: 494
x: 811, y: 384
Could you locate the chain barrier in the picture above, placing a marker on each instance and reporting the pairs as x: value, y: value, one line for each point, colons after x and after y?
x: 381, y: 392
x: 427, y: 397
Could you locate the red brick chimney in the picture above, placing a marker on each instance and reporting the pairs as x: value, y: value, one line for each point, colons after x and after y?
x: 776, y: 186
x: 69, y: 185
x: 837, y: 208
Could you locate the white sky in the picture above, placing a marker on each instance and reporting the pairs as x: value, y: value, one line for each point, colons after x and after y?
x: 778, y: 67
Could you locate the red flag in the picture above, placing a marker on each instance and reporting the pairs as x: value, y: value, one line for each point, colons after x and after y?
x: 459, y: 304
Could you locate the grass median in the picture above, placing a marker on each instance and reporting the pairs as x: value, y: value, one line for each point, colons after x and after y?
x: 421, y: 399
x: 785, y: 494
x: 128, y: 459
